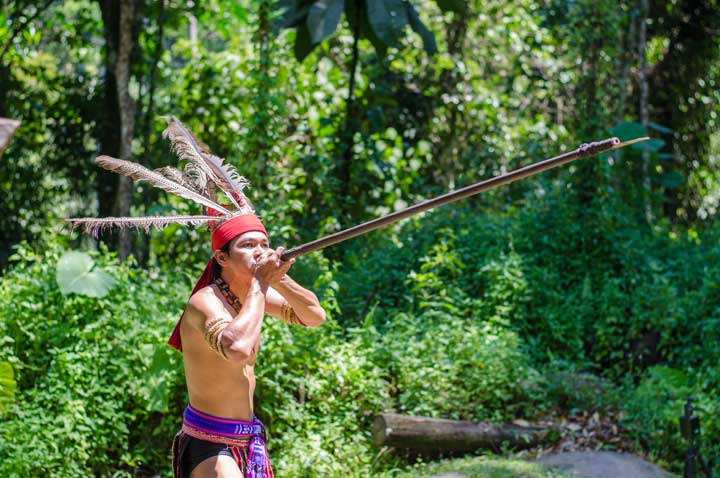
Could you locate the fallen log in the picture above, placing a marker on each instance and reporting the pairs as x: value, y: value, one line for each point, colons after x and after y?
x: 7, y: 129
x: 434, y: 434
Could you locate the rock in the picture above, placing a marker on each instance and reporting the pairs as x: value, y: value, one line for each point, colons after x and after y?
x: 603, y: 464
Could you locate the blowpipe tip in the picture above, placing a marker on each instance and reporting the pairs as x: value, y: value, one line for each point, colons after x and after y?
x: 619, y: 145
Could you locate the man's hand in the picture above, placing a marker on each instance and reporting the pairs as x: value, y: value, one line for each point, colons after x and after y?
x: 269, y: 269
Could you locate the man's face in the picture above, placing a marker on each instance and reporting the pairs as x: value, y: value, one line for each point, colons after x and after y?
x: 245, y: 250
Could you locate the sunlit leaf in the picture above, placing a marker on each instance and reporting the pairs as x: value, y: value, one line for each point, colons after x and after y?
x: 155, y: 377
x: 75, y: 275
x: 671, y: 376
x: 7, y: 385
x: 239, y: 12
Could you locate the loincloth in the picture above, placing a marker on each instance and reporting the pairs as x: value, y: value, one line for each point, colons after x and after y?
x: 203, y: 436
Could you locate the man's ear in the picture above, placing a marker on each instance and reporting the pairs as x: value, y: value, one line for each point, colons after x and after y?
x: 221, y: 257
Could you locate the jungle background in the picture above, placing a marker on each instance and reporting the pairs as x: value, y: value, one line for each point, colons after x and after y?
x: 339, y: 112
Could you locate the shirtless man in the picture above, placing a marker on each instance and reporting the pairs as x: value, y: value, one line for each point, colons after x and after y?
x: 219, y: 335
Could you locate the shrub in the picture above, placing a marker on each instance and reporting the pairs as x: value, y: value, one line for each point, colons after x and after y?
x: 654, y: 407
x: 95, y: 379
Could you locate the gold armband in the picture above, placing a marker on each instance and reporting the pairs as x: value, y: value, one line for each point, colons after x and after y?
x: 288, y: 315
x: 213, y: 334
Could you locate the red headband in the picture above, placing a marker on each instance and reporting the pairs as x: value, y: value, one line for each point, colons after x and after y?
x: 234, y: 227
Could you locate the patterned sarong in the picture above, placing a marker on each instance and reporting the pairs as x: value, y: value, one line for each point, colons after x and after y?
x: 246, y: 441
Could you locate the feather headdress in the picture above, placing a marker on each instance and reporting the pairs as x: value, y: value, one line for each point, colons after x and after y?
x: 199, y: 180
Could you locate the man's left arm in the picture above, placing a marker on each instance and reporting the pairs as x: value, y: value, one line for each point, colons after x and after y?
x: 292, y: 303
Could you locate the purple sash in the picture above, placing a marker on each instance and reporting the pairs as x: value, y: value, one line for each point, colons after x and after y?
x: 234, y: 433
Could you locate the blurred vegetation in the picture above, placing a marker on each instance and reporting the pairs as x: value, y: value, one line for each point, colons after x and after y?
x: 605, y: 268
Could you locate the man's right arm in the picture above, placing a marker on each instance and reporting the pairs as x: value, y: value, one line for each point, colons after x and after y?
x: 231, y: 337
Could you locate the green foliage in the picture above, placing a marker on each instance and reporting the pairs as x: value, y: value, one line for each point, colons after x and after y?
x: 92, y: 373
x: 654, y: 408
x: 450, y: 367
x: 574, y: 392
x: 383, y: 22
x: 96, y: 374
x: 473, y: 311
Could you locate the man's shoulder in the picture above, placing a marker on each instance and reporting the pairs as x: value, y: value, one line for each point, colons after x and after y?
x: 203, y: 301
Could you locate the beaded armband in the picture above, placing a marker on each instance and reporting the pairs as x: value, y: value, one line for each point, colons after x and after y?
x: 213, y: 334
x: 288, y: 315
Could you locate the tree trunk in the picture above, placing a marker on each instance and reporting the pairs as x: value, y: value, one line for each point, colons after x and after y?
x: 109, y: 132
x: 644, y: 114
x: 150, y: 112
x: 433, y: 434
x: 127, y: 117
x: 350, y: 126
x: 115, y: 192
x: 450, y: 147
x: 260, y: 145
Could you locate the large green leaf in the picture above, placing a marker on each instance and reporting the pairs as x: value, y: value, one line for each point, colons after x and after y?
x: 628, y: 130
x: 323, y: 18
x: 366, y: 30
x: 75, y: 275
x: 239, y: 12
x: 292, y: 15
x: 659, y: 128
x: 303, y: 42
x: 671, y: 180
x: 7, y: 385
x: 650, y: 145
x: 458, y: 6
x: 387, y: 18
x: 419, y: 27
x: 671, y: 376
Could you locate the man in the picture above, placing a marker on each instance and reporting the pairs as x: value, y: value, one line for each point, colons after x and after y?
x: 219, y: 335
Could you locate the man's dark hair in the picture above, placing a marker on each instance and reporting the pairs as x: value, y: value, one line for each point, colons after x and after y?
x: 217, y: 269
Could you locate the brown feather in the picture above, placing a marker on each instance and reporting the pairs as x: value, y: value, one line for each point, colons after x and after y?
x: 224, y: 175
x: 140, y: 172
x: 95, y: 225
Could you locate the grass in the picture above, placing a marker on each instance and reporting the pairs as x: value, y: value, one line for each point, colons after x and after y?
x: 484, y: 467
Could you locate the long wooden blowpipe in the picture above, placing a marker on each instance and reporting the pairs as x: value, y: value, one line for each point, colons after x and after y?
x: 584, y: 151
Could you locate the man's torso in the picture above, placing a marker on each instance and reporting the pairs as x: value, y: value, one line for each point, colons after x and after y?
x: 215, y: 385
